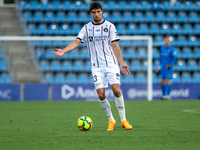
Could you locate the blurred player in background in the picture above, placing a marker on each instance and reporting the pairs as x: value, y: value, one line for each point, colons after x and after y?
x: 101, y: 37
x: 167, y: 60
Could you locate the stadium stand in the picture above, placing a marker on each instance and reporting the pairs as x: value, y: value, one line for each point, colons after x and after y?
x: 156, y: 18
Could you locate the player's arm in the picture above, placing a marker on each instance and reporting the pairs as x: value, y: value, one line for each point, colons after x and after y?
x: 118, y: 55
x: 173, y: 59
x: 70, y: 47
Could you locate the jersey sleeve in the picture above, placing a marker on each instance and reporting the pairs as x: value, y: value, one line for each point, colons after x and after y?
x: 113, y: 34
x: 82, y: 35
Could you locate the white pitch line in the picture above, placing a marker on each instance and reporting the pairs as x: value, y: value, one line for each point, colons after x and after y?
x: 192, y: 110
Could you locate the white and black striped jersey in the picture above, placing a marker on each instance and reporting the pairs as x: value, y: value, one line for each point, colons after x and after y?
x: 99, y: 38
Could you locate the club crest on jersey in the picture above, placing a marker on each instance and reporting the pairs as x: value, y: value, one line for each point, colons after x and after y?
x: 90, y: 38
x: 117, y: 74
x: 105, y: 29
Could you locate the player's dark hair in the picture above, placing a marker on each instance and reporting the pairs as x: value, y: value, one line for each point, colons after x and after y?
x: 166, y: 37
x: 95, y: 5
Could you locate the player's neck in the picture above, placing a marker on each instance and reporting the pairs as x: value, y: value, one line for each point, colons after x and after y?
x: 99, y: 22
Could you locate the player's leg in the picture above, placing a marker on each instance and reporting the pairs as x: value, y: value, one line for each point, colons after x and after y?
x: 162, y: 83
x: 168, y: 85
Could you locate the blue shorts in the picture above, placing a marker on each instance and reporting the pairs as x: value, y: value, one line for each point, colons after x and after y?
x: 166, y: 73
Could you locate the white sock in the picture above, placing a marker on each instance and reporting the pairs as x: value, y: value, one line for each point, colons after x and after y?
x: 120, y: 106
x: 107, y: 109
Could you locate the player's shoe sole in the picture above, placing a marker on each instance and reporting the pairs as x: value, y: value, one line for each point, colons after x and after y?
x: 111, y: 125
x: 126, y: 125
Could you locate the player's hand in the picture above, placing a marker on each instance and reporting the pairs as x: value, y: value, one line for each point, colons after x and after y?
x: 125, y: 69
x: 169, y: 66
x: 59, y: 52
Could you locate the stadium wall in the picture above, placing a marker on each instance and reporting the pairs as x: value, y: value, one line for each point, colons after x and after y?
x: 68, y: 92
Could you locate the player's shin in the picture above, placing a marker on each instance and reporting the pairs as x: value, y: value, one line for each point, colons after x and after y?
x: 107, y: 109
x: 120, y: 106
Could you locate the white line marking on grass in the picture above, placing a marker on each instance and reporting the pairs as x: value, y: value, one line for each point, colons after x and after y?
x: 192, y: 110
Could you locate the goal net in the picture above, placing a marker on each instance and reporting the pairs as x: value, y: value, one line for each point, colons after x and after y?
x: 135, y: 44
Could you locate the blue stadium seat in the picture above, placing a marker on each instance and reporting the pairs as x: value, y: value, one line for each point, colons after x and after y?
x: 38, y: 17
x: 64, y: 29
x: 193, y: 41
x: 4, y: 79
x: 177, y: 6
x: 33, y: 5
x: 192, y: 65
x: 44, y: 65
x: 48, y: 78
x: 123, y: 52
x: 182, y: 17
x: 132, y: 29
x: 188, y: 6
x: 26, y: 16
x: 155, y: 78
x: 172, y: 40
x: 72, y: 17
x: 60, y: 17
x: 125, y: 43
x: 122, y: 5
x: 187, y: 53
x: 176, y: 78
x: 83, y: 17
x: 133, y: 5
x: 116, y: 17
x: 127, y: 16
x: 158, y: 40
x: 59, y: 78
x: 181, y: 65
x: 176, y: 29
x: 1, y: 55
x: 171, y: 17
x: 160, y: 16
x: 193, y: 17
x: 31, y: 29
x: 106, y: 16
x: 58, y: 43
x: 143, y: 28
x: 78, y: 5
x: 78, y: 66
x: 196, y: 77
x: 155, y: 65
x: 155, y: 5
x: 46, y: 43
x: 71, y: 78
x: 42, y: 29
x: 197, y: 53
x: 138, y: 17
x: 186, y: 78
x: 141, y: 53
x: 56, y: 5
x: 165, y: 29
x: 135, y: 66
x: 111, y: 5
x: 75, y: 28
x: 155, y: 53
x: 91, y: 80
x: 149, y: 16
x: 154, y: 28
x: 2, y: 65
x: 55, y: 66
x: 121, y: 29
x: 197, y: 5
x: 44, y: 5
x: 53, y: 29
x: 129, y: 79
x: 181, y: 41
x: 144, y: 5
x: 84, y: 54
x: 37, y: 43
x: 130, y: 53
x: 197, y: 29
x: 67, y: 5
x: 140, y: 78
x: 83, y: 78
x: 87, y: 66
x: 39, y: 53
x: 67, y: 66
x: 178, y: 53
x: 187, y: 29
x: 166, y: 5
x: 49, y: 17
x: 22, y: 5
x: 144, y: 65
x: 74, y: 54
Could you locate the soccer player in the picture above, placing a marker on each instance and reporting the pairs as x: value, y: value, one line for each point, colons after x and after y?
x: 167, y: 60
x: 101, y: 37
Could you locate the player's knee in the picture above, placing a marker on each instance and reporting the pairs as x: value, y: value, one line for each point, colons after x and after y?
x: 117, y: 93
x: 102, y: 96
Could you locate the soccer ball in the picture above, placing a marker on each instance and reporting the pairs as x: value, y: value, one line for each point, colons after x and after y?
x: 84, y: 123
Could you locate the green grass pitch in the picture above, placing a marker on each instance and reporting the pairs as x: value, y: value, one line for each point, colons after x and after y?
x: 157, y: 125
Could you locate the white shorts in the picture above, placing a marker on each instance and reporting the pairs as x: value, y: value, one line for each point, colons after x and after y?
x: 103, y: 75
